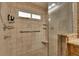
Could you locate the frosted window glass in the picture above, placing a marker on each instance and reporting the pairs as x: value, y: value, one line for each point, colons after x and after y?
x: 34, y: 16
x: 24, y: 14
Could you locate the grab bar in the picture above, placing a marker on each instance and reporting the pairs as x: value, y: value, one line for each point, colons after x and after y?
x: 28, y: 31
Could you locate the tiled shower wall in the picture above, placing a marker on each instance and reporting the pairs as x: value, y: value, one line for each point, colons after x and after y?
x: 18, y: 43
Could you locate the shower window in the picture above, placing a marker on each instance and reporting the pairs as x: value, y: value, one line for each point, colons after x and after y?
x: 29, y: 15
x: 35, y: 16
x: 24, y: 14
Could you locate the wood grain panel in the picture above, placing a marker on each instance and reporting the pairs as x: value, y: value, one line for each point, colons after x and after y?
x: 73, y: 50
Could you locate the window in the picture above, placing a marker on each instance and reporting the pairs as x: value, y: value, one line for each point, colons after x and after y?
x: 24, y: 14
x: 29, y: 15
x: 35, y: 16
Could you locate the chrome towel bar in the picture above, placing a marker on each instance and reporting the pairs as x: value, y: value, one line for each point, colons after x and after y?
x: 28, y: 31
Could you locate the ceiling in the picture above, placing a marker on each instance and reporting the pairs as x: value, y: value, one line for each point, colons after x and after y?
x: 56, y: 3
x: 45, y: 4
x: 55, y: 7
x: 41, y: 4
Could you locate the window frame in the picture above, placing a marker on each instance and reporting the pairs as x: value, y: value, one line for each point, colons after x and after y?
x: 31, y: 12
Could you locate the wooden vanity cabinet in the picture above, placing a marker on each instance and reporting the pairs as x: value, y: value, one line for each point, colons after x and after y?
x: 73, y: 49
